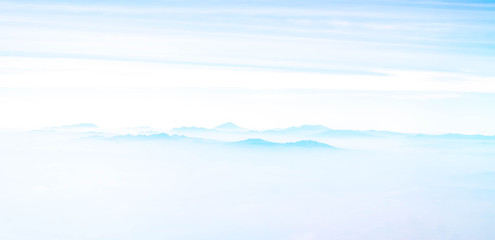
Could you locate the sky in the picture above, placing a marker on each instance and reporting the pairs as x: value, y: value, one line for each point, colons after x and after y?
x: 408, y: 66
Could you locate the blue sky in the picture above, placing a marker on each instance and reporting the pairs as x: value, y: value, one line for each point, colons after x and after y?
x: 313, y: 35
x: 401, y: 48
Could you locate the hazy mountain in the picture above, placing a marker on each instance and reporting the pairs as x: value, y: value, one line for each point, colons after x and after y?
x: 377, y: 133
x: 226, y: 127
x: 456, y: 136
x: 53, y: 175
x: 159, y: 136
x: 230, y: 127
x: 191, y: 129
x: 229, y: 132
x: 247, y: 142
x: 309, y: 144
x: 264, y: 143
x: 343, y: 133
x: 256, y: 142
x: 302, y: 130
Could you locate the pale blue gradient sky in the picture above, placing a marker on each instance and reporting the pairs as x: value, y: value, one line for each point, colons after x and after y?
x: 405, y: 49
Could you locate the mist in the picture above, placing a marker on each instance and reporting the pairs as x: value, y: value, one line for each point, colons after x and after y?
x: 61, y: 184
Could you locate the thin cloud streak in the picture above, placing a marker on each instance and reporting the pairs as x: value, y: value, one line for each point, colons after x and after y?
x: 367, y: 46
x: 93, y: 73
x: 391, y: 39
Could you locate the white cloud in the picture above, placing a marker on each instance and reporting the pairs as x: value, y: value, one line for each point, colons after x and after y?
x: 57, y: 72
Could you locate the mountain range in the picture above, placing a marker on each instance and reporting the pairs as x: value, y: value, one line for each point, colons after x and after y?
x: 307, y: 136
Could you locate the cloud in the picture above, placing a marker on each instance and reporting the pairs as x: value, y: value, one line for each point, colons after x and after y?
x: 425, y: 96
x: 55, y: 185
x: 310, y: 39
x: 59, y: 72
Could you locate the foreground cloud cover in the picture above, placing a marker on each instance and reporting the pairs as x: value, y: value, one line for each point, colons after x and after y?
x: 80, y: 182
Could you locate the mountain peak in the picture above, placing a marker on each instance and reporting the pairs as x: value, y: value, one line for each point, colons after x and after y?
x: 301, y: 144
x: 229, y: 126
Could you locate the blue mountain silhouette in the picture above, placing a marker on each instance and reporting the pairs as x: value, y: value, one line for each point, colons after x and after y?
x: 229, y: 126
x: 263, y: 143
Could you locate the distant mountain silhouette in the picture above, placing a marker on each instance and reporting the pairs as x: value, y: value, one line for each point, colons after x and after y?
x: 456, y: 136
x: 226, y: 127
x: 318, y: 131
x: 304, y: 129
x: 378, y: 133
x: 264, y: 143
x: 159, y: 136
x: 256, y: 142
x: 309, y: 144
x: 191, y: 129
x: 343, y: 133
x: 252, y: 142
x: 314, y: 131
x: 229, y: 127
